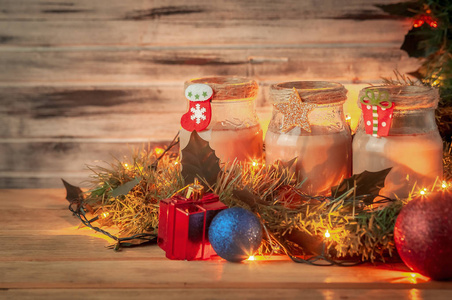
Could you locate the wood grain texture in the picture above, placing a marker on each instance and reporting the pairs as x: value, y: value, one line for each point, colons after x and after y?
x: 66, y: 155
x: 83, y: 112
x: 31, y: 179
x: 186, y: 33
x: 194, y: 23
x: 53, y: 245
x: 197, y: 274
x: 201, y: 294
x: 82, y: 79
x: 45, y: 256
x: 178, y: 9
x: 358, y: 62
x: 251, y: 294
x: 37, y: 164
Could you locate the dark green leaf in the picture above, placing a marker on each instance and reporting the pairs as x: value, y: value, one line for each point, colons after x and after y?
x: 418, y: 42
x: 287, y: 164
x: 199, y: 161
x: 125, y: 188
x: 73, y: 193
x: 367, y: 183
x: 99, y: 191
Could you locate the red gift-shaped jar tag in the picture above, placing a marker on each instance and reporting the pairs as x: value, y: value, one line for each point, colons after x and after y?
x: 200, y: 111
x: 377, y: 112
x: 184, y: 224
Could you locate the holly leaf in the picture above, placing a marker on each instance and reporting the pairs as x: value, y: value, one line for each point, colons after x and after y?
x: 287, y: 164
x: 125, y: 188
x: 420, y: 42
x: 73, y: 193
x: 367, y: 184
x: 199, y: 161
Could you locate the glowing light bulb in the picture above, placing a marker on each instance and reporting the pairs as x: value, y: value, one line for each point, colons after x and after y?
x: 251, y: 257
x: 254, y: 164
x: 104, y: 215
x: 159, y: 151
x: 348, y: 121
x: 433, y: 24
x: 444, y: 185
x: 176, y: 163
x: 418, y: 23
x: 327, y: 234
x: 423, y: 191
x: 126, y: 166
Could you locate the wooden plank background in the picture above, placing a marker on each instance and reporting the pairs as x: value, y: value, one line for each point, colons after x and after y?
x: 83, y: 80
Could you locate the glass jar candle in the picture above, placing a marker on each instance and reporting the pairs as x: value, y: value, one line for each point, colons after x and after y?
x: 322, y: 150
x: 234, y: 131
x: 412, y: 148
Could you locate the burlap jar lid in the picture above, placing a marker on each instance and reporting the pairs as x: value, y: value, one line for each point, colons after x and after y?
x: 228, y: 88
x: 318, y: 92
x: 408, y: 97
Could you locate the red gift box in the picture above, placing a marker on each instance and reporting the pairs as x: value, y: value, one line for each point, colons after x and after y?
x: 377, y: 111
x: 184, y: 224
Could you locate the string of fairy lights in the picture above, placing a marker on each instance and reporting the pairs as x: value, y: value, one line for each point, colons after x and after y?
x: 78, y: 210
x: 81, y: 214
x: 322, y: 259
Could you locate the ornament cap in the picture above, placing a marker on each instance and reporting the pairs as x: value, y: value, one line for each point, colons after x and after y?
x: 376, y: 97
x: 405, y: 97
x: 228, y: 88
x: 198, y: 92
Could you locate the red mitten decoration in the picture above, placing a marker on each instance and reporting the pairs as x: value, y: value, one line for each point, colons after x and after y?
x: 377, y: 112
x: 199, y: 111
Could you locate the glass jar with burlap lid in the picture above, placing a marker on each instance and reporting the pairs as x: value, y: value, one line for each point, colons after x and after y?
x: 308, y: 124
x: 234, y: 131
x: 407, y: 140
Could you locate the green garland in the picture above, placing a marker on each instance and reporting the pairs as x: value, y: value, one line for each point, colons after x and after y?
x: 299, y: 222
x: 295, y: 223
x: 135, y: 209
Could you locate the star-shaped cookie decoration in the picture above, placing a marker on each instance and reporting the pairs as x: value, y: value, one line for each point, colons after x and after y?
x: 295, y: 112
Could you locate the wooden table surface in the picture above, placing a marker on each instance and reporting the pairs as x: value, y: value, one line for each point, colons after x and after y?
x: 43, y: 255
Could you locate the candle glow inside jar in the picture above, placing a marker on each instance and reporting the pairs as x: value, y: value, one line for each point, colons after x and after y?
x: 413, y: 147
x: 323, y: 156
x: 234, y: 131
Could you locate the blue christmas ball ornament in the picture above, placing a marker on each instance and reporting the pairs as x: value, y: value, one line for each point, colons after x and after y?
x: 235, y: 234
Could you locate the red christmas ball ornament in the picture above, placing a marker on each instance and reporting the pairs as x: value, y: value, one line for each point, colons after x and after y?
x: 423, y: 235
